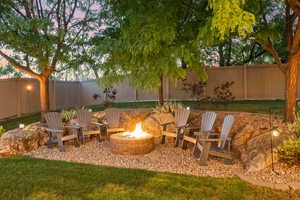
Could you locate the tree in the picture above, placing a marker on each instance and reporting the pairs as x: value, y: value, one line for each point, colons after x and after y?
x: 43, y: 36
x: 146, y: 40
x: 266, y: 30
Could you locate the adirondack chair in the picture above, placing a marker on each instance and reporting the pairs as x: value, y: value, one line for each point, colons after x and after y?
x: 181, y: 118
x: 204, y: 143
x: 56, y: 130
x: 85, y: 123
x: 207, y: 123
x: 112, y: 122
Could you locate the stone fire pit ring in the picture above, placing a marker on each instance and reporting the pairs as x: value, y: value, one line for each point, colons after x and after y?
x: 124, y: 145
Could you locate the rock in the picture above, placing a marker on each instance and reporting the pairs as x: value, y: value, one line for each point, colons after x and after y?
x: 19, y: 141
x: 257, y: 154
x: 152, y: 124
x: 242, y: 137
x: 131, y: 117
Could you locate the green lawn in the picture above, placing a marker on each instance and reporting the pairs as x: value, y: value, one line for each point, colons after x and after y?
x: 255, y: 106
x: 25, y: 178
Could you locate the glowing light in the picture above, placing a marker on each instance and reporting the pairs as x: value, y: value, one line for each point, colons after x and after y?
x: 187, y: 108
x: 137, y: 133
x: 28, y: 87
x: 21, y: 126
x: 275, y: 133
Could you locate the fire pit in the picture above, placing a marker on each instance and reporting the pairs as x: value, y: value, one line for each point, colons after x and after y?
x: 132, y: 143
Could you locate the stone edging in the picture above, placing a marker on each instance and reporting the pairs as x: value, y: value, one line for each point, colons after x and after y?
x: 284, y: 187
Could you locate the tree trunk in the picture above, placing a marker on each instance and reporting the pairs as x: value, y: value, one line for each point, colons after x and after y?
x: 291, y: 84
x: 44, y: 93
x: 161, y: 90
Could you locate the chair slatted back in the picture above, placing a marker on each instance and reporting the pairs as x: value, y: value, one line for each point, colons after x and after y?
x: 227, y: 124
x: 84, y: 118
x: 113, y: 118
x: 53, y: 120
x: 207, y: 121
x: 181, y: 117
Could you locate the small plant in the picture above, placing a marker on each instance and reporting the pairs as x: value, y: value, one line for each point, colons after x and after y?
x: 2, y: 130
x: 110, y: 95
x: 295, y: 126
x: 196, y: 90
x: 222, y: 94
x: 289, y: 152
x: 168, y: 107
x: 68, y: 115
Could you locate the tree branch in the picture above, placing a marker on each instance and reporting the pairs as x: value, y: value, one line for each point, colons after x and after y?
x: 18, y: 66
x: 268, y: 46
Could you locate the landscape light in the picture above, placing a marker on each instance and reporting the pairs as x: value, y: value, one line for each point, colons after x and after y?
x: 275, y: 133
x: 28, y: 88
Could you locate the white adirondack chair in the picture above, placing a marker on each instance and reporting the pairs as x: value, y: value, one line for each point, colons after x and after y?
x: 204, y: 143
x: 84, y: 118
x: 56, y: 130
x: 207, y: 123
x: 181, y: 118
x: 112, y: 122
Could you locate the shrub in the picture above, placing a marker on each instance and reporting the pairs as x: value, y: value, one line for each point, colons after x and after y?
x: 2, y: 130
x: 289, y: 152
x: 196, y: 90
x: 68, y: 115
x: 168, y: 107
x: 295, y: 126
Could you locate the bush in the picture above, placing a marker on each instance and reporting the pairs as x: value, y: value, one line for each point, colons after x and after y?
x: 2, y: 130
x: 68, y: 115
x: 289, y: 152
x: 295, y: 126
x: 168, y: 107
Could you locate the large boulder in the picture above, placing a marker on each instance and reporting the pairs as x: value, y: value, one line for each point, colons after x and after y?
x: 131, y: 117
x: 152, y: 124
x: 256, y: 154
x: 19, y: 141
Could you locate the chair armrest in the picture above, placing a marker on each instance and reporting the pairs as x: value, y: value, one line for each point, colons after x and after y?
x: 52, y: 130
x: 73, y: 126
x: 192, y: 127
x: 184, y: 126
x: 166, y: 124
x: 98, y: 124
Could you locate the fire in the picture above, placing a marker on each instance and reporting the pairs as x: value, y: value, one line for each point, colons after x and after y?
x: 138, y: 132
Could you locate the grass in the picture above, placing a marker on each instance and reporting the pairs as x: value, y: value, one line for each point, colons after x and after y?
x: 254, y: 106
x: 25, y: 178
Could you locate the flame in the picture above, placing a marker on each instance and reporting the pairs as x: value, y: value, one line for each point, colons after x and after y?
x: 138, y: 132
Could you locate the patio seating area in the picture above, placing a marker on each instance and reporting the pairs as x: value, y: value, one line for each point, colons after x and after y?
x: 149, y: 100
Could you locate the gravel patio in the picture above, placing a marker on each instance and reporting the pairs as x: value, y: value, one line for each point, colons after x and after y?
x: 164, y: 158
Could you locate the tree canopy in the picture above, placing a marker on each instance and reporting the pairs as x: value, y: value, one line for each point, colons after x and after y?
x: 145, y: 39
x: 44, y: 35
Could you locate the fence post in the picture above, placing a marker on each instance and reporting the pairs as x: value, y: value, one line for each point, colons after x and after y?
x: 167, y: 87
x: 54, y: 94
x: 19, y: 95
x: 136, y: 94
x: 245, y: 82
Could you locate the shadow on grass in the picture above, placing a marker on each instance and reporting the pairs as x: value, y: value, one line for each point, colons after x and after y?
x: 36, y: 179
